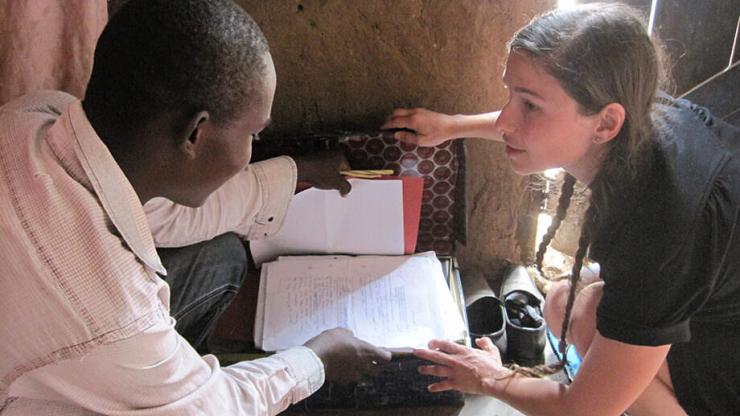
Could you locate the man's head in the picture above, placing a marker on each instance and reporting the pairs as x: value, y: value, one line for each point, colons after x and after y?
x: 181, y: 84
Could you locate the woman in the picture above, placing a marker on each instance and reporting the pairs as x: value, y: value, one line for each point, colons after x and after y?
x: 661, y: 333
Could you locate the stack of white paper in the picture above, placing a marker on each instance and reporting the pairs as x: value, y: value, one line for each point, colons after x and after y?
x: 369, y: 220
x: 390, y: 301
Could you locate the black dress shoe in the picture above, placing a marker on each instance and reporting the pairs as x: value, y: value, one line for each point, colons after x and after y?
x: 486, y: 315
x: 525, y: 325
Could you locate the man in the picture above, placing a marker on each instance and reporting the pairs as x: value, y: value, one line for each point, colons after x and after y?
x: 178, y: 90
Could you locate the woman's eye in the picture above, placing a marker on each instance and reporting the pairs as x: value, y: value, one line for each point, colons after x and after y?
x: 529, y: 106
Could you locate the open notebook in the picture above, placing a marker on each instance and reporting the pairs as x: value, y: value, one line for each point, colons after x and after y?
x: 389, y: 301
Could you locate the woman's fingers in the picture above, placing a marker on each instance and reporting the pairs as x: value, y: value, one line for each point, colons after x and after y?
x: 462, y: 368
x: 404, y: 118
x: 427, y: 128
x: 485, y: 344
x: 447, y: 346
x: 403, y: 111
x: 391, y: 122
x: 406, y: 136
x: 442, y: 352
x: 435, y: 356
x: 435, y: 370
x: 443, y: 385
x: 397, y: 121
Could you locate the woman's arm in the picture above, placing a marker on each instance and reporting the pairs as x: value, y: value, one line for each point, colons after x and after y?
x: 611, y: 378
x: 430, y: 128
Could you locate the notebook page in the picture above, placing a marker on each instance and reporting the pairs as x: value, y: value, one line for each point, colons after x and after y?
x: 391, y: 301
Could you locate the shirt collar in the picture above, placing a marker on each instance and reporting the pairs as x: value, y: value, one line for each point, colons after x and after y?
x: 112, y: 188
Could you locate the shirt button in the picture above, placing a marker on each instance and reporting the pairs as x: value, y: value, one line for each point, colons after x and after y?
x: 270, y: 219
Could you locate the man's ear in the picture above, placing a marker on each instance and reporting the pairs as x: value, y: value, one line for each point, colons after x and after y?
x: 611, y: 120
x: 192, y: 136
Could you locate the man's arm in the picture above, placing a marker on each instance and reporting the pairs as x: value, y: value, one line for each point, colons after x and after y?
x: 158, y: 373
x: 253, y: 204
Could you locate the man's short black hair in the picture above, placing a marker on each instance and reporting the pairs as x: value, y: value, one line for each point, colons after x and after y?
x: 156, y: 56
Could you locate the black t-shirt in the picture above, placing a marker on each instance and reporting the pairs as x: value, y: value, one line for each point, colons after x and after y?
x: 670, y: 260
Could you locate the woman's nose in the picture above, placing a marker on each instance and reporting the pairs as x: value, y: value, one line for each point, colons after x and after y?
x: 506, y: 122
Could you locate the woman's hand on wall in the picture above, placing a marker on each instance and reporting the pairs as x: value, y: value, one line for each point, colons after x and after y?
x: 428, y: 128
x: 420, y: 126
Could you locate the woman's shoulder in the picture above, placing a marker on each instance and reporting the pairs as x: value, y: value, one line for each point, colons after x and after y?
x: 695, y: 130
x: 696, y: 153
x: 690, y: 174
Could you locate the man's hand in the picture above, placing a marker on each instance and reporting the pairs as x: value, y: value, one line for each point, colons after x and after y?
x: 345, y: 357
x: 322, y: 170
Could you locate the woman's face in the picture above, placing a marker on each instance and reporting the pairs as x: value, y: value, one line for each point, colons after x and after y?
x: 541, y: 125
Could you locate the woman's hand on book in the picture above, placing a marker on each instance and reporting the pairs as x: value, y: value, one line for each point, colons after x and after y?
x: 462, y: 368
x: 345, y: 357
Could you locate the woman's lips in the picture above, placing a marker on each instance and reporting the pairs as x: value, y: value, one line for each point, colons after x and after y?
x: 510, y: 151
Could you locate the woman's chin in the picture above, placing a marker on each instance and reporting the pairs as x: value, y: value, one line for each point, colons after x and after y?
x: 522, y: 170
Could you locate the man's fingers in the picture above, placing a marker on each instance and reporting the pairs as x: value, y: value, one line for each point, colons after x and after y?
x: 374, y: 367
x: 377, y: 354
x: 343, y: 164
x: 373, y: 357
x: 384, y: 355
x: 343, y: 186
x: 343, y: 330
x: 338, y: 182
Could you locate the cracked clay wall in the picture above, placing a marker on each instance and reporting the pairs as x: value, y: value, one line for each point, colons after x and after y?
x: 347, y: 64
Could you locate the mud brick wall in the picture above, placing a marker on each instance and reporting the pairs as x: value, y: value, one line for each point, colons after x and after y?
x: 347, y: 64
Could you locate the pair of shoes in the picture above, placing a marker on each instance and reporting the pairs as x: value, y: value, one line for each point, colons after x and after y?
x: 515, y: 325
x: 525, y: 325
x: 485, y: 311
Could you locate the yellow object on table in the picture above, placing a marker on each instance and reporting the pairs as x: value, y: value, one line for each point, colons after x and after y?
x: 367, y: 174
